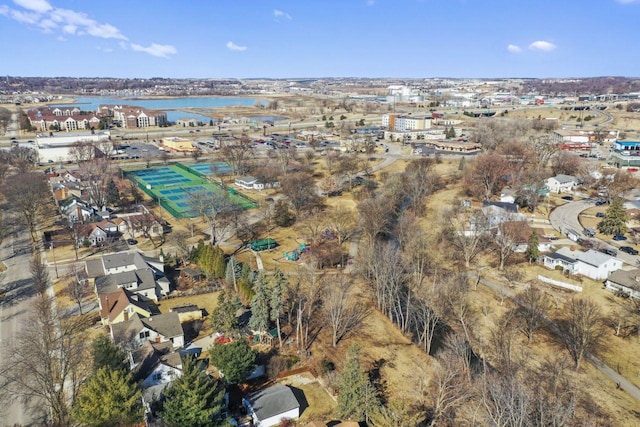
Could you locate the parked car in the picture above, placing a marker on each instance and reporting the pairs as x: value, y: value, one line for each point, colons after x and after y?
x: 600, y: 202
x: 629, y: 250
x: 609, y: 251
x: 567, y: 198
x: 132, y: 242
x: 619, y: 237
x: 600, y: 215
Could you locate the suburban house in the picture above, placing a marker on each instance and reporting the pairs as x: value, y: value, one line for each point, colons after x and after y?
x: 499, y: 212
x: 141, y: 282
x: 270, y: 406
x: 75, y: 210
x: 156, y: 329
x: 155, y: 366
x: 627, y: 282
x: 520, y: 233
x: 562, y: 183
x: 120, y: 306
x: 253, y: 183
x: 593, y: 264
x: 135, y: 272
x: 93, y: 234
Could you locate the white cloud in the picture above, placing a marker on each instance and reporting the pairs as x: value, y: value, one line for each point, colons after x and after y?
x: 67, y: 22
x: 159, y: 50
x: 628, y: 1
x: 370, y: 2
x: 542, y: 45
x: 233, y: 46
x: 280, y: 14
x: 40, y: 6
x: 514, y: 48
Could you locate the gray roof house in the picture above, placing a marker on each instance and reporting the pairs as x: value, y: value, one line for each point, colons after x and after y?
x: 593, y: 264
x: 270, y: 406
x: 562, y: 183
x: 157, y: 329
x: 627, y: 282
x: 134, y: 271
x: 155, y: 366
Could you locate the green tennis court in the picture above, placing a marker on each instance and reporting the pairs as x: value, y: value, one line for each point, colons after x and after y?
x: 173, y: 187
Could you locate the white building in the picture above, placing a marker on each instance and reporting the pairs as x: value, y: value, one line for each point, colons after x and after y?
x: 561, y: 183
x: 270, y: 406
x: 593, y: 264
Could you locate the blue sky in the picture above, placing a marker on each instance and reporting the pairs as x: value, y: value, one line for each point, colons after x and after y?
x: 332, y: 38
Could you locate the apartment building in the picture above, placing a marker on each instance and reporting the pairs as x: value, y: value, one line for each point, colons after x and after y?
x: 401, y: 123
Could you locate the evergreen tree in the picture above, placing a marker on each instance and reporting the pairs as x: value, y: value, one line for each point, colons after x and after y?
x: 615, y: 218
x: 276, y: 297
x: 112, y: 193
x: 219, y: 264
x: 533, y: 252
x: 462, y: 164
x: 236, y: 360
x: 231, y: 273
x: 109, y: 398
x: 356, y: 397
x: 260, y: 310
x: 193, y: 399
x: 106, y: 354
x: 223, y: 317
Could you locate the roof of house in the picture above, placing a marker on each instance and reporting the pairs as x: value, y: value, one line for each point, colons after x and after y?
x: 113, y: 303
x: 565, y: 179
x: 591, y: 257
x: 246, y: 179
x: 506, y: 206
x: 187, y: 308
x: 627, y: 278
x: 150, y: 355
x: 556, y: 255
x: 168, y: 325
x: 143, y: 278
x: 272, y: 401
x: 99, y: 267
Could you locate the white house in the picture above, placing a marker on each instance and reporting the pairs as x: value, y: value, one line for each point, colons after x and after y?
x: 270, y: 406
x: 593, y: 264
x: 253, y: 183
x: 154, y: 366
x: 627, y: 282
x: 561, y: 183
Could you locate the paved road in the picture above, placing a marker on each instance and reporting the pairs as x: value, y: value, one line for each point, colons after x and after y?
x: 616, y: 378
x: 14, y: 309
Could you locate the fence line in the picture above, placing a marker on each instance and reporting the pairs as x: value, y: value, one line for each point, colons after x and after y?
x: 560, y: 284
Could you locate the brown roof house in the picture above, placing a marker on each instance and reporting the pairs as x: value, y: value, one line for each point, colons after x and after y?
x: 120, y: 306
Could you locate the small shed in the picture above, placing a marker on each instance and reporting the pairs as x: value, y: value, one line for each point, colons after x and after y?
x: 263, y: 245
x: 187, y: 312
x: 191, y: 274
x: 270, y: 406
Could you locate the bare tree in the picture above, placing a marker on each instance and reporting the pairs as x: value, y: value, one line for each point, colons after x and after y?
x: 96, y: 175
x: 450, y: 389
x: 533, y: 309
x: 544, y: 147
x: 150, y: 226
x: 582, y: 329
x: 375, y: 215
x: 506, y: 401
x: 343, y: 222
x: 502, y: 339
x: 484, y: 177
x: 505, y: 238
x: 28, y: 194
x: 300, y: 190
x: 211, y: 207
x: 78, y: 288
x: 82, y: 151
x: 237, y: 153
x: 49, y: 360
x: 467, y: 231
x: 342, y: 310
x: 426, y: 322
x: 420, y: 181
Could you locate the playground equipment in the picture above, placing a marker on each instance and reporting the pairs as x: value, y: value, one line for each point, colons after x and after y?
x: 296, y: 253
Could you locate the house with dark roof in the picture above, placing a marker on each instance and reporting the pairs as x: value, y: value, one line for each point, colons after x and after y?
x: 144, y: 275
x: 159, y: 328
x: 121, y: 305
x: 593, y: 264
x: 627, y: 282
x: 155, y: 366
x: 270, y: 406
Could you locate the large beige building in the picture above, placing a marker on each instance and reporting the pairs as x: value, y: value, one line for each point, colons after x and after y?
x: 400, y: 123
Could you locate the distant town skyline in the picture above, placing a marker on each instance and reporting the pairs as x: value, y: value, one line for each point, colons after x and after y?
x: 333, y: 38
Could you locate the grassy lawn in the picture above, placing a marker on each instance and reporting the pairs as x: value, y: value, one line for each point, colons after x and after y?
x: 321, y: 405
x: 207, y: 301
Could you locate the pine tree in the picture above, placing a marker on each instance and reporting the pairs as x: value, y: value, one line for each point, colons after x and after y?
x: 106, y: 354
x: 223, y: 317
x: 356, y: 397
x: 109, y: 398
x: 193, y: 399
x: 236, y: 360
x: 533, y: 252
x: 230, y: 274
x: 112, y: 193
x: 260, y: 309
x: 219, y: 264
x: 462, y: 164
x: 615, y: 218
